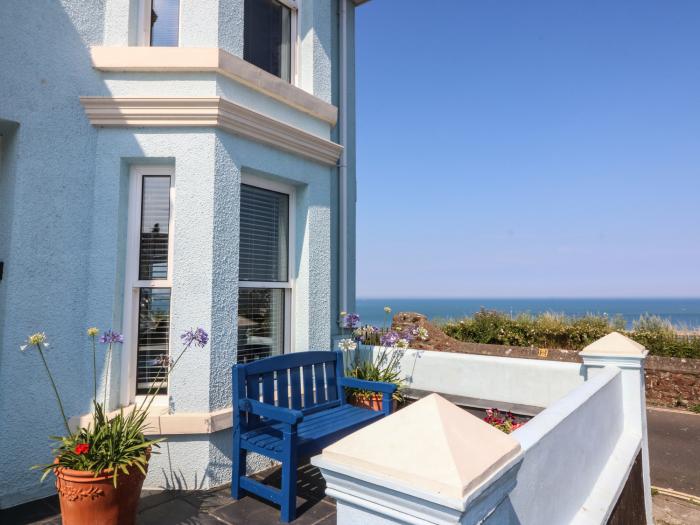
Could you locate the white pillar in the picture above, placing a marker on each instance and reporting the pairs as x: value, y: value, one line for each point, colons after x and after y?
x: 617, y: 350
x: 430, y: 463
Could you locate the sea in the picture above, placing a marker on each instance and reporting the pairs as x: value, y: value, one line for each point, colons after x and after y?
x: 682, y: 313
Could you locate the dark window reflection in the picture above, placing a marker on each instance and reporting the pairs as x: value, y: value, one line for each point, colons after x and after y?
x: 267, y: 36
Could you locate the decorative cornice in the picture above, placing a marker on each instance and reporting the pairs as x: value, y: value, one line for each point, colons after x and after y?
x: 209, y: 112
x: 193, y: 60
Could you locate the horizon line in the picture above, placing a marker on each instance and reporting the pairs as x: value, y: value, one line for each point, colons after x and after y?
x: 533, y: 297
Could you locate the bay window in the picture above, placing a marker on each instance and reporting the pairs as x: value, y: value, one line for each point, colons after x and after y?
x: 264, y: 296
x: 148, y: 280
x: 269, y: 36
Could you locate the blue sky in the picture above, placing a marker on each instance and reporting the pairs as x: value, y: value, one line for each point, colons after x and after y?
x: 528, y: 149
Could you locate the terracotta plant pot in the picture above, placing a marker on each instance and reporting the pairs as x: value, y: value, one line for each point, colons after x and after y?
x: 86, y: 499
x: 373, y: 402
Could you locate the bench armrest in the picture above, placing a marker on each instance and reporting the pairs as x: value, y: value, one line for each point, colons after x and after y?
x: 283, y: 415
x: 374, y: 386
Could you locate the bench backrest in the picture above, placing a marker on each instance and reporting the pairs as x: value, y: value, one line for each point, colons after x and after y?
x: 306, y: 381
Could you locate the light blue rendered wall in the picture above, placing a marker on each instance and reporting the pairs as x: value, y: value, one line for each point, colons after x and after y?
x: 44, y: 67
x: 64, y: 234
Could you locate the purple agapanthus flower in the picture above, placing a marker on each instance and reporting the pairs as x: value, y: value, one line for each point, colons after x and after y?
x: 410, y: 333
x: 351, y: 321
x: 110, y: 337
x: 389, y: 339
x: 163, y: 360
x: 198, y: 337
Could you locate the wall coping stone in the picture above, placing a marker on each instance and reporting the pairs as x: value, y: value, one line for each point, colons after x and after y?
x: 432, y: 445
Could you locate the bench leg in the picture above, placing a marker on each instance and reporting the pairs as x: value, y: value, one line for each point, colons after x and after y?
x: 289, y: 479
x: 238, y: 467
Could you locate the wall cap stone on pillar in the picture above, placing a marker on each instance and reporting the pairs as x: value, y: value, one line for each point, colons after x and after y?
x: 432, y: 444
x: 614, y: 349
x: 431, y: 462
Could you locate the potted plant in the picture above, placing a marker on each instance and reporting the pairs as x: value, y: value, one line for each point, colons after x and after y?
x: 382, y: 367
x: 505, y: 422
x: 100, y: 469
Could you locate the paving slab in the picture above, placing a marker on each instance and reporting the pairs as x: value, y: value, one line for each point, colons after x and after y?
x: 673, y: 511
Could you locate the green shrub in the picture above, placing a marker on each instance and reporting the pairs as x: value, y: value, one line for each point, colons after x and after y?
x: 552, y: 330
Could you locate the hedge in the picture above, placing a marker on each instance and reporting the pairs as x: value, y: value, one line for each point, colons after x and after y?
x: 551, y: 330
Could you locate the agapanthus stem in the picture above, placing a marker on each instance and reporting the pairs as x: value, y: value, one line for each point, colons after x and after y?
x: 94, y: 370
x: 55, y: 390
x: 109, y: 362
x: 162, y: 382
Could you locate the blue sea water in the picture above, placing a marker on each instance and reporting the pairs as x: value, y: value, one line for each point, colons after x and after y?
x: 683, y: 313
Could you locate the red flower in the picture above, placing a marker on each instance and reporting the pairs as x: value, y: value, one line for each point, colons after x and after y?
x: 81, y: 448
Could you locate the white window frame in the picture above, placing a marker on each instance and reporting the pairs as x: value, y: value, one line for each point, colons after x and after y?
x: 132, y: 283
x: 293, y: 6
x: 144, y: 23
x: 288, y: 285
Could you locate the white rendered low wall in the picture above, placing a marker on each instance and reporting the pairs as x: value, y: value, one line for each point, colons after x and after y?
x: 576, y: 455
x: 567, y: 449
x: 508, y: 380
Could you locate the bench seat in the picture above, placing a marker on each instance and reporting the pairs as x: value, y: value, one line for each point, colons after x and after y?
x: 314, y: 433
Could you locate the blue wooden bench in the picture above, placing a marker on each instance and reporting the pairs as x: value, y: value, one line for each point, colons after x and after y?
x: 290, y: 407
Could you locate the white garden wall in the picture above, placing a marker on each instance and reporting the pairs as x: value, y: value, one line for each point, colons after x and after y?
x: 577, y: 455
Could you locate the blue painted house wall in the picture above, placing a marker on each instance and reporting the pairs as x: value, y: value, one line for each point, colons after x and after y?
x: 63, y: 217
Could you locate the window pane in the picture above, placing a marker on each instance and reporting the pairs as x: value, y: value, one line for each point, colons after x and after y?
x: 264, y: 235
x: 267, y: 36
x: 260, y: 323
x: 165, y: 21
x: 155, y: 219
x: 153, y: 337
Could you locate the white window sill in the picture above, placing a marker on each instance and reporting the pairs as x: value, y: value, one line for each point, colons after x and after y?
x: 189, y: 60
x: 161, y: 423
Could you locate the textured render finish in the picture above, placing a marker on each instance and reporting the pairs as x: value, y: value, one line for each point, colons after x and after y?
x: 231, y: 26
x: 315, y: 36
x: 120, y: 22
x: 199, y: 23
x: 432, y: 445
x: 45, y: 280
x: 66, y: 218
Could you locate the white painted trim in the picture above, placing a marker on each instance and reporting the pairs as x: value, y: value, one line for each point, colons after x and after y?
x: 212, y: 112
x: 294, y: 43
x: 127, y: 389
x: 250, y: 179
x: 143, y: 35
